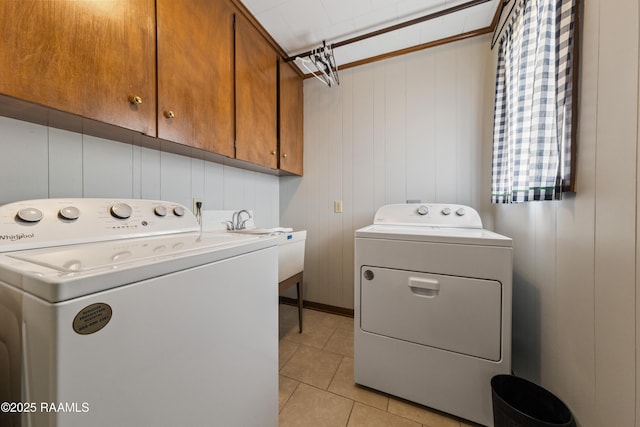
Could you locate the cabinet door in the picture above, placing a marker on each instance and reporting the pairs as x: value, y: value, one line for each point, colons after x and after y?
x: 90, y: 58
x: 195, y: 74
x: 291, y: 120
x: 256, y: 96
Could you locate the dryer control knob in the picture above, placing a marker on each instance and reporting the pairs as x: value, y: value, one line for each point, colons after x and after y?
x: 423, y: 210
x: 446, y: 211
x: 121, y: 211
x: 461, y: 212
x: 70, y: 213
x: 29, y: 215
x: 160, y: 211
x: 178, y: 211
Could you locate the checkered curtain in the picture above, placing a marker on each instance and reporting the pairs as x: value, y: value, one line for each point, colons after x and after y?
x: 532, y: 115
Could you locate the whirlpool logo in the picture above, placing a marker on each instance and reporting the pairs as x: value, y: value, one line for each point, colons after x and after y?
x: 16, y: 237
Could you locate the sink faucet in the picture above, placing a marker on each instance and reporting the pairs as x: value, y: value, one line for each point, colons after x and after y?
x: 237, y: 223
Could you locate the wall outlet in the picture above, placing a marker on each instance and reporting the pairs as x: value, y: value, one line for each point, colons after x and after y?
x: 196, y: 200
x: 337, y: 206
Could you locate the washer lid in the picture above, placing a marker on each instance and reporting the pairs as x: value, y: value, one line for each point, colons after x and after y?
x: 65, y: 272
x: 468, y: 236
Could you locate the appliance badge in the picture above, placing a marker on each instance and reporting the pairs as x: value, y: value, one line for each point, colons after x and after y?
x: 92, y: 318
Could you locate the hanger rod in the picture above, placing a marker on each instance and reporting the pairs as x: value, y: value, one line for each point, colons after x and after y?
x: 415, y: 21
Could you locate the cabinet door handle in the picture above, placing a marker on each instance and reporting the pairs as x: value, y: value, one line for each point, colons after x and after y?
x: 273, y: 152
x: 169, y: 114
x: 284, y: 155
x: 135, y: 100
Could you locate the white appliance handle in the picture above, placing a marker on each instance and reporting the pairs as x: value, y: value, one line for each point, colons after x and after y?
x: 425, y: 288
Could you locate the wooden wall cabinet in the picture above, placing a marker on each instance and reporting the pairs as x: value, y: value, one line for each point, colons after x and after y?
x: 196, y: 74
x: 290, y: 119
x: 256, y: 96
x: 220, y: 86
x: 95, y: 59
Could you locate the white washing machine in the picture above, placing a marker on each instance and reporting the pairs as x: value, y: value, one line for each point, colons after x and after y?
x: 121, y: 313
x: 433, y: 307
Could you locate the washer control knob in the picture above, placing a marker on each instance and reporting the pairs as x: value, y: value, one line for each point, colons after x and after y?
x: 461, y: 212
x: 446, y: 211
x: 29, y: 215
x: 423, y: 210
x: 178, y: 211
x: 70, y: 213
x: 121, y: 211
x: 160, y: 211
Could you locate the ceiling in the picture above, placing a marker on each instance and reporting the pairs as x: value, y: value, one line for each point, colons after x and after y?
x: 301, y: 25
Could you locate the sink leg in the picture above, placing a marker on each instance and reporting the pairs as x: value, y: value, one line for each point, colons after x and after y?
x: 299, y: 289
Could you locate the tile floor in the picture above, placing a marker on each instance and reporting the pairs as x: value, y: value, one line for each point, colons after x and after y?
x: 316, y: 380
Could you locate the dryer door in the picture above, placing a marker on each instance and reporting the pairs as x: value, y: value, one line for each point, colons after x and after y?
x: 451, y: 313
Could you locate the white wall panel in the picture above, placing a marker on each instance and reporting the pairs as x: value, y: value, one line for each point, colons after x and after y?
x: 379, y: 137
x: 65, y: 163
x: 395, y: 130
x: 107, y: 168
x: 213, y: 186
x: 421, y: 126
x: 349, y: 104
x: 24, y: 164
x: 615, y: 216
x: 150, y: 174
x: 335, y: 255
x: 175, y: 178
x: 197, y: 180
x: 446, y: 122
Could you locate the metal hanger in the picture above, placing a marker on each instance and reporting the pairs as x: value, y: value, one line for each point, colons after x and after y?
x: 320, y: 62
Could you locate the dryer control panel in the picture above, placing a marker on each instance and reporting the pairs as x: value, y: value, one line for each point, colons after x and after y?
x: 55, y: 222
x: 429, y: 214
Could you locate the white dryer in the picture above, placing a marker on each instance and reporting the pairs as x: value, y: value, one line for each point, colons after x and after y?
x: 121, y: 313
x: 433, y: 307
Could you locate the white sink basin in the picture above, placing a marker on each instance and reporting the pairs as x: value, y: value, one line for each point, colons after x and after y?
x: 290, y: 249
x: 291, y: 254
x: 290, y: 243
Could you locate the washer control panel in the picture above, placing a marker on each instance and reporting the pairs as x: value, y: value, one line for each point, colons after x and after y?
x: 55, y: 222
x: 429, y: 214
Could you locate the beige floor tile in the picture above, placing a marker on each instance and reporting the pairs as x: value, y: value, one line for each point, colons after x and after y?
x: 286, y: 349
x: 343, y: 385
x: 314, y: 317
x: 366, y: 416
x: 341, y: 342
x: 421, y: 414
x: 312, y: 366
x: 286, y: 387
x: 310, y: 407
x: 336, y: 321
x: 313, y: 335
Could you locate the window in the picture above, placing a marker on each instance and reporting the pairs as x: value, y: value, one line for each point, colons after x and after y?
x: 534, y: 112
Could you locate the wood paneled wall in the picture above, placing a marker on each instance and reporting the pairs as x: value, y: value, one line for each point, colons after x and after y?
x: 576, y: 301
x: 409, y: 127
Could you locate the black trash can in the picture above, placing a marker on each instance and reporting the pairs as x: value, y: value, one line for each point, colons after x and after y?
x: 521, y: 403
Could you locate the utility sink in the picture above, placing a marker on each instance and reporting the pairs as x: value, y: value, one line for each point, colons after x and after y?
x: 291, y: 253
x: 290, y: 243
x: 290, y: 249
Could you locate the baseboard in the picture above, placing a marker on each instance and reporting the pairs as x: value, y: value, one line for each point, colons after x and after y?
x: 319, y: 307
